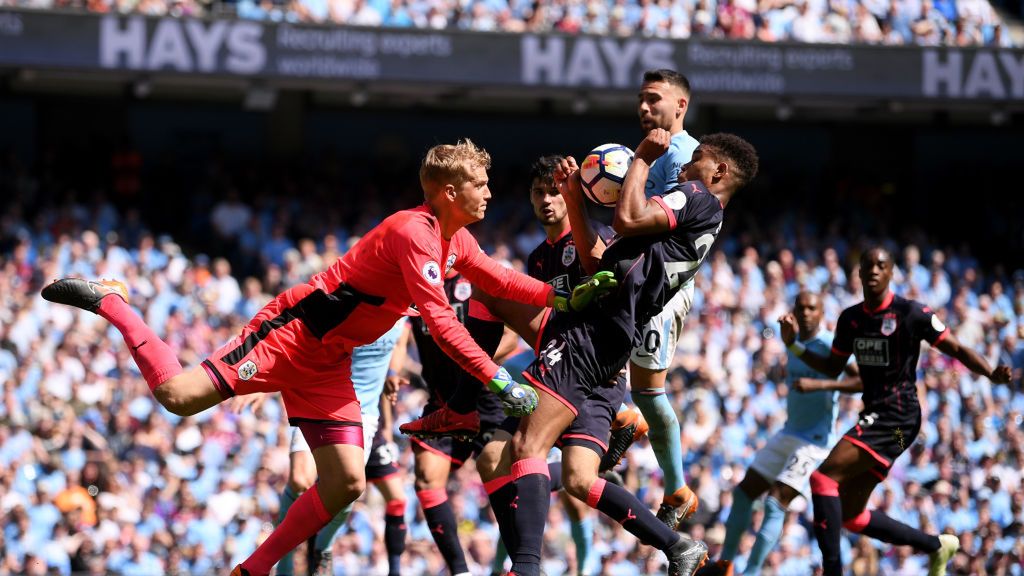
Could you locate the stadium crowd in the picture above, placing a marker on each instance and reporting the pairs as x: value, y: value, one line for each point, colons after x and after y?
x: 892, y: 22
x: 96, y: 478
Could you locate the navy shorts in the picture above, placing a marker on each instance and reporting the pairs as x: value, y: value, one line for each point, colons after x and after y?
x: 580, y: 364
x: 383, y: 461
x: 885, y: 433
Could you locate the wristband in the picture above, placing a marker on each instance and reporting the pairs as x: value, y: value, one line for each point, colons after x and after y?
x: 797, y: 348
x: 392, y: 372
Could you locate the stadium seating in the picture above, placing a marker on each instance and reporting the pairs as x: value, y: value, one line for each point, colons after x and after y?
x: 923, y: 22
x: 94, y: 477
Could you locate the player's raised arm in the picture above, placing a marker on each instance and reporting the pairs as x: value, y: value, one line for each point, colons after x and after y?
x: 497, y: 280
x: 414, y: 248
x: 831, y: 366
x: 928, y: 327
x: 972, y: 360
x: 636, y: 214
x: 589, y: 245
x: 423, y: 269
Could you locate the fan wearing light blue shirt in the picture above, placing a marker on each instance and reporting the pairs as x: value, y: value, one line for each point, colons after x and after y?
x: 783, y: 467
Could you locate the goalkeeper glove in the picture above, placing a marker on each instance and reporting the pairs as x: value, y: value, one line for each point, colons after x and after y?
x: 583, y: 294
x: 517, y: 399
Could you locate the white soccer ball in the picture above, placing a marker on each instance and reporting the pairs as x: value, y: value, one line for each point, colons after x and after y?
x: 603, y: 171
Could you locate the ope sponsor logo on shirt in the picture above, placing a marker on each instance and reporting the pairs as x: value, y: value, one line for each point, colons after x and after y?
x: 871, y: 351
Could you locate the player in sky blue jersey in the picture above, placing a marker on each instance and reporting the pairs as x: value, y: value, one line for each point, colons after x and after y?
x: 372, y: 367
x: 662, y: 102
x: 783, y: 467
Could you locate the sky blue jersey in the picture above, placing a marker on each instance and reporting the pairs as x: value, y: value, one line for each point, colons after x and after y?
x: 811, y: 415
x: 664, y: 175
x: 370, y: 369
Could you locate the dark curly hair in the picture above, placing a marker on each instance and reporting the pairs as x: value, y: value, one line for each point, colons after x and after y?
x: 739, y: 154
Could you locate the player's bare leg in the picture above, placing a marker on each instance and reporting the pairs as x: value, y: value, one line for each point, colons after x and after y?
x: 841, y: 487
x: 301, y: 471
x: 392, y: 489
x: 494, y: 464
x: 579, y: 473
x: 188, y: 393
x: 490, y: 464
x: 432, y: 471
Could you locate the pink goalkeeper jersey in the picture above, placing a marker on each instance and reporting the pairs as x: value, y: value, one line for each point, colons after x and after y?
x: 403, y: 263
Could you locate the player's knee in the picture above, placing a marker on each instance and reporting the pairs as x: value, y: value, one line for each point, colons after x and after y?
x: 349, y: 488
x: 523, y: 448
x: 485, y: 467
x: 425, y: 483
x: 488, y: 460
x: 783, y: 494
x: 578, y: 482
x: 858, y: 522
x: 299, y: 481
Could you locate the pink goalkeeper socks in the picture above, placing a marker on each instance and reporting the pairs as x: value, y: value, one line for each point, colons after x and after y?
x: 156, y: 360
x: 304, y: 519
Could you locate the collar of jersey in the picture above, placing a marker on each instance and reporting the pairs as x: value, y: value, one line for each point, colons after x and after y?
x: 559, y: 239
x: 886, y: 302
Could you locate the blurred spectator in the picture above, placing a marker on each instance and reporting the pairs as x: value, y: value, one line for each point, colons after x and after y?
x: 942, y: 22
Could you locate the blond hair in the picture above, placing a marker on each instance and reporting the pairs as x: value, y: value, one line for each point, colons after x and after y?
x: 451, y: 164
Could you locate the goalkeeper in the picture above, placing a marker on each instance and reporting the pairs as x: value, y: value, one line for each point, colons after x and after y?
x: 301, y: 342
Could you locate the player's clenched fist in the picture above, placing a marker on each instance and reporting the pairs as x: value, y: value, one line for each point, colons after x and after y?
x: 567, y: 178
x: 787, y: 327
x: 654, y: 145
x: 1000, y: 375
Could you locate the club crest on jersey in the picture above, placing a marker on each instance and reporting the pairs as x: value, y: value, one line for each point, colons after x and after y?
x: 675, y: 200
x: 568, y: 255
x: 888, y: 324
x: 449, y: 264
x: 432, y: 272
x: 463, y: 290
x: 248, y: 370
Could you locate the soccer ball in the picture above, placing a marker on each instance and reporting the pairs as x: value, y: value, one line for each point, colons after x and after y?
x: 603, y: 171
